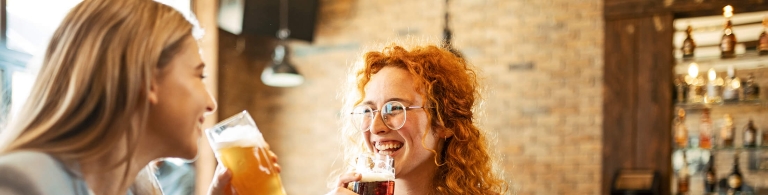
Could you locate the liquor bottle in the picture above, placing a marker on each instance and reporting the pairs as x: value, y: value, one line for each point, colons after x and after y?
x: 681, y: 90
x: 726, y: 134
x: 710, y: 178
x: 714, y: 87
x: 705, y: 130
x: 750, y: 135
x: 683, y: 180
x: 696, y: 90
x: 681, y: 132
x: 751, y: 90
x: 762, y: 45
x: 732, y: 86
x: 688, y: 44
x: 735, y: 180
x: 728, y: 42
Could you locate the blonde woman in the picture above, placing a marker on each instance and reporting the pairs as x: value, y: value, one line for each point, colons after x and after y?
x: 120, y: 86
x: 416, y: 104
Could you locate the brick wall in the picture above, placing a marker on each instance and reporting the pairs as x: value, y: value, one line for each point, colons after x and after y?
x: 541, y: 61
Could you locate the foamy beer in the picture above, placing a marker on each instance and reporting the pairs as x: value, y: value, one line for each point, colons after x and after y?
x: 239, y: 145
x: 378, y: 175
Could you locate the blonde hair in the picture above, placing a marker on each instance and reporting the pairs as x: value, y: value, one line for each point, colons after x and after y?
x: 450, y: 85
x: 91, y: 91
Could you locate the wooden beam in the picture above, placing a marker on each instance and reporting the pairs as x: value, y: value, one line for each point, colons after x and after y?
x: 206, y: 12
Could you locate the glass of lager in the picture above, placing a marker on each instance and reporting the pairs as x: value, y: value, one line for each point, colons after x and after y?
x: 239, y: 146
x: 378, y: 175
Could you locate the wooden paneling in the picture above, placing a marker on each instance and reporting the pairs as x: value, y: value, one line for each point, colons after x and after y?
x: 637, y: 99
x: 632, y: 8
x: 619, y: 98
x: 654, y: 96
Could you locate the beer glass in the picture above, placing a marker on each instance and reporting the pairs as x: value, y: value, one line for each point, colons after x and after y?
x: 239, y: 145
x: 378, y: 175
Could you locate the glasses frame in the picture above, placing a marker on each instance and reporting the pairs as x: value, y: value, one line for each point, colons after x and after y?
x: 381, y: 113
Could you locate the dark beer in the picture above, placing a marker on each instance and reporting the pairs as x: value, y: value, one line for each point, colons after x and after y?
x: 374, y: 188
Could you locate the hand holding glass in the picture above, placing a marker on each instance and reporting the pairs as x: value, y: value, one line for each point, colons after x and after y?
x: 239, y: 145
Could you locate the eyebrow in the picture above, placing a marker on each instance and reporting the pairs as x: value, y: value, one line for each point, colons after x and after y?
x: 369, y: 102
x: 200, y: 66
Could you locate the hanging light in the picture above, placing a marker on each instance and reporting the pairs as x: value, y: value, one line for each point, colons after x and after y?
x: 281, y: 73
x: 448, y: 35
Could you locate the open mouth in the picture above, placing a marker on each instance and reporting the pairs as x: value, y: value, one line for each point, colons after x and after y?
x: 387, y: 147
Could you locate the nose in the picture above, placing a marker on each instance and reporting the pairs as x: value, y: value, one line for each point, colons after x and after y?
x: 378, y: 126
x: 210, y: 103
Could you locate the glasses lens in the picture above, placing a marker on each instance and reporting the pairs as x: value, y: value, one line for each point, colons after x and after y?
x: 393, y: 114
x: 361, y: 117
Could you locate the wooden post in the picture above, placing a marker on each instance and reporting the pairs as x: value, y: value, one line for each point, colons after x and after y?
x: 205, y: 10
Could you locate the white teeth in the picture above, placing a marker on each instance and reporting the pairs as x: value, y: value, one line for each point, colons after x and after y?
x: 388, y: 146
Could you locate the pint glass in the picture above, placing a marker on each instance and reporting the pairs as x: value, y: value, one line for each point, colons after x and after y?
x: 239, y: 145
x: 378, y: 175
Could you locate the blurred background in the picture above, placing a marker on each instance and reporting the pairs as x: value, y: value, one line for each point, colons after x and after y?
x: 577, y: 91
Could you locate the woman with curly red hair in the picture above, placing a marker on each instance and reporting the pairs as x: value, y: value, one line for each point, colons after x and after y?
x: 416, y: 105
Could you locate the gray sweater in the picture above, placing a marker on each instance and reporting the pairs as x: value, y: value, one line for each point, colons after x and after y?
x: 36, y: 173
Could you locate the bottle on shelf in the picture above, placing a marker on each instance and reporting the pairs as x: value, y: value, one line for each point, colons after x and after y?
x: 681, y: 132
x: 728, y: 42
x: 683, y: 179
x: 727, y: 132
x: 750, y: 135
x: 681, y: 90
x: 762, y: 44
x: 688, y: 44
x: 735, y: 179
x: 751, y: 89
x: 710, y: 177
x: 714, y: 87
x: 732, y: 86
x: 695, y: 84
x: 705, y: 130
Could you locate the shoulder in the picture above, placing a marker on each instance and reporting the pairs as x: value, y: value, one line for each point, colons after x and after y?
x: 33, y: 173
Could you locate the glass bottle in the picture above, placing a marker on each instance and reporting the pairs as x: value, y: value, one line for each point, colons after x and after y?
x: 762, y: 44
x: 683, y: 180
x: 696, y: 91
x: 688, y: 44
x: 751, y: 90
x: 681, y: 132
x: 728, y: 42
x: 726, y: 134
x: 714, y: 87
x: 710, y: 178
x: 731, y: 87
x: 705, y: 131
x: 681, y: 90
x: 735, y: 179
x: 750, y: 135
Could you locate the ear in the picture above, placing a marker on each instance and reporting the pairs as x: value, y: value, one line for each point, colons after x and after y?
x: 444, y: 133
x: 152, y: 95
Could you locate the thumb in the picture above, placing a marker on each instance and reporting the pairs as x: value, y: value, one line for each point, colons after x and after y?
x: 221, y: 182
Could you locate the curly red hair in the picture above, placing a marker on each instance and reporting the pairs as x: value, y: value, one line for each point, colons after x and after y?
x: 450, y: 86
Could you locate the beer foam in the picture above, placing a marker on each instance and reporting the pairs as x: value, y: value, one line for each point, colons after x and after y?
x: 371, y: 177
x: 239, y: 136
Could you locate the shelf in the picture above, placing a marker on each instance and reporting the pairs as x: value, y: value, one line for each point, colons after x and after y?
x: 698, y: 106
x: 737, y: 148
x: 747, y: 60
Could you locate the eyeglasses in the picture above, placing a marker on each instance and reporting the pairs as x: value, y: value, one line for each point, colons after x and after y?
x: 392, y: 114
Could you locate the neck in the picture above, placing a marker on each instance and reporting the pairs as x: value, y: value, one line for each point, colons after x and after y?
x: 418, y: 181
x: 103, y: 177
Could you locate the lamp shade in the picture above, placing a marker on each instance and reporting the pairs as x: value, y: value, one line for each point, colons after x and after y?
x: 281, y: 73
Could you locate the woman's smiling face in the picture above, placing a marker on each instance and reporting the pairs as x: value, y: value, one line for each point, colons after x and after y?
x: 410, y: 145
